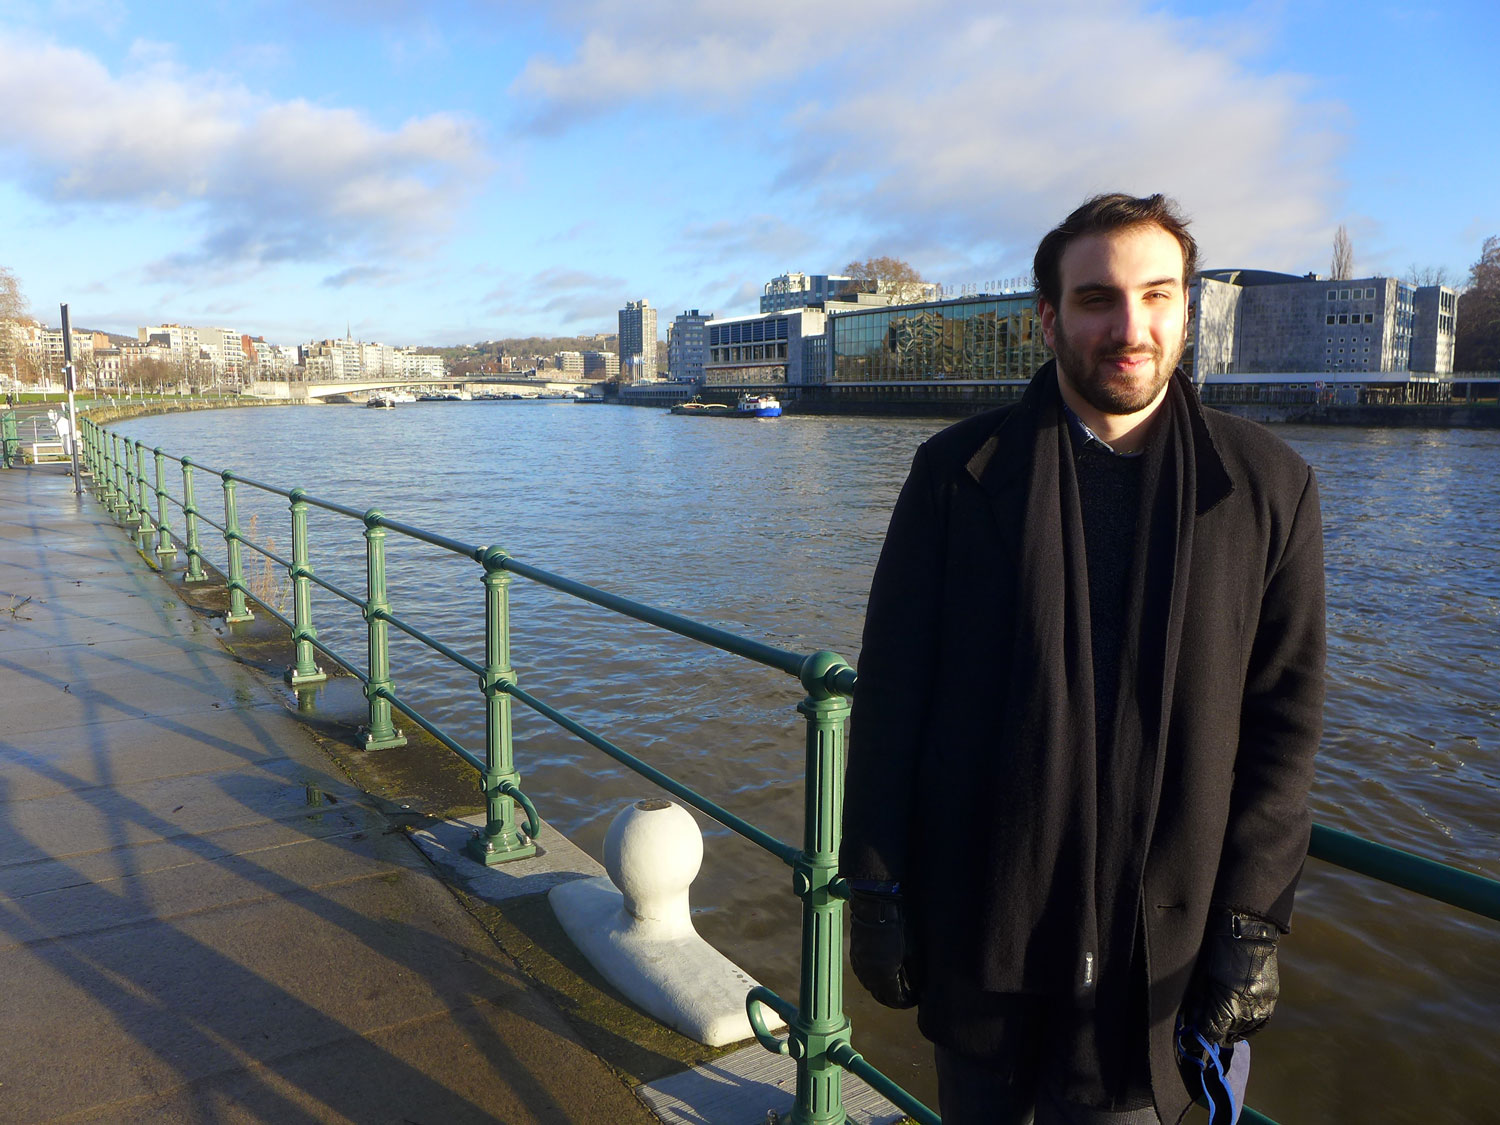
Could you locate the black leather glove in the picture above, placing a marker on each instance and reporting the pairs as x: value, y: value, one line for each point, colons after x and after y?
x: 877, y: 944
x: 1235, y: 984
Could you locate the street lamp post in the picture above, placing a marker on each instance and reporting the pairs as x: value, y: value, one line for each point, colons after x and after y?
x: 68, y: 381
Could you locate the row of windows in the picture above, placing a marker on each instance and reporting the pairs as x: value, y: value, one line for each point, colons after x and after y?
x: 998, y: 338
x: 748, y: 331
x: 1343, y: 318
x: 983, y: 392
x: 743, y: 376
x: 748, y: 353
x: 1358, y: 294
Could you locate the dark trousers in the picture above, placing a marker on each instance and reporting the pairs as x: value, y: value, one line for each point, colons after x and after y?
x: 980, y: 1092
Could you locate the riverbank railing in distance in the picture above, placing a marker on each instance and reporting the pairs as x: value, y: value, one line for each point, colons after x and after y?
x: 818, y: 1032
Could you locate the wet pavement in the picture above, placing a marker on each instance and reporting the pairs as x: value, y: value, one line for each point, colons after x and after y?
x: 200, y: 920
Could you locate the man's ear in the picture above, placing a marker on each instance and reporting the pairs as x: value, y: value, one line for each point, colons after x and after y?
x: 1048, y: 314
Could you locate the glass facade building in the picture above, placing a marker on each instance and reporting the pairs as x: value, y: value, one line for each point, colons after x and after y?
x: 983, y: 339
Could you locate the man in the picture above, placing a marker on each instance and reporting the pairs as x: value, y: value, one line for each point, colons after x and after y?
x: 1089, y: 698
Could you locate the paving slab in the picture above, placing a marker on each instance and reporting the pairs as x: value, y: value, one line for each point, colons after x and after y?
x: 200, y: 919
x: 751, y: 1086
x: 104, y: 868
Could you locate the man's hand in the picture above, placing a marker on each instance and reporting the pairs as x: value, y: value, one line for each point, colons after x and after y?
x: 877, y: 945
x: 1235, y: 984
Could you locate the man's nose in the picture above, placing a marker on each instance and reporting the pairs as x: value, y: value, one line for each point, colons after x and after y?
x: 1132, y: 325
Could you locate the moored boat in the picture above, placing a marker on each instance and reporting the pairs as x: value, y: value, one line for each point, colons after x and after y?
x: 758, y: 406
x: 694, y: 406
x: 380, y: 401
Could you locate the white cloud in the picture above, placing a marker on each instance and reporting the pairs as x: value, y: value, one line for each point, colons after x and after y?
x: 752, y: 236
x: 257, y: 180
x: 360, y: 275
x: 562, y: 296
x: 961, y: 127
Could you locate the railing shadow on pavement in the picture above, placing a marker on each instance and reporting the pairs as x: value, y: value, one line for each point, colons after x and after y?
x: 182, y: 997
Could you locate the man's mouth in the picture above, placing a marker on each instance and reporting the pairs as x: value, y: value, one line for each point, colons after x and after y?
x: 1130, y: 361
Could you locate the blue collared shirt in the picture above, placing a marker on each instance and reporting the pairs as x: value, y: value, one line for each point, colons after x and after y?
x: 1087, y: 436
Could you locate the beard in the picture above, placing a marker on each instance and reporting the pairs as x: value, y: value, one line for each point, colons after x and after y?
x: 1111, y: 392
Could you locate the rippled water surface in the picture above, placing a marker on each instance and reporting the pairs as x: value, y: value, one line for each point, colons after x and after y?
x: 771, y: 529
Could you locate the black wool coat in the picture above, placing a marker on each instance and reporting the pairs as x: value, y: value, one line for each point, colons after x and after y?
x: 971, y: 758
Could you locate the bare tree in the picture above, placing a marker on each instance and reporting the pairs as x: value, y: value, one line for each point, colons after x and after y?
x: 12, y: 301
x: 1343, y: 255
x: 1477, y: 332
x: 13, y: 357
x: 1419, y: 277
x: 885, y: 274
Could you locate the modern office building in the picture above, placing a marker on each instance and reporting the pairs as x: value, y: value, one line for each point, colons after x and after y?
x: 834, y: 292
x: 980, y: 349
x: 569, y: 363
x: 1434, y: 317
x: 800, y: 290
x: 1257, y: 321
x: 687, y: 345
x: 638, y: 339
x: 601, y: 365
x: 763, y: 350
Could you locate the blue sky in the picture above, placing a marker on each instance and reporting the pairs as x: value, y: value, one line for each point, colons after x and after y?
x: 452, y: 172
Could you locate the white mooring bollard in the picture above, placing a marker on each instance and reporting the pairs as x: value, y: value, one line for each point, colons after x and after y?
x: 653, y: 851
x: 635, y: 926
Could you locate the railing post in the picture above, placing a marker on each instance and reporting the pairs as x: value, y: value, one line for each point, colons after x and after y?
x: 112, y: 473
x: 820, y: 1022
x: 238, y: 610
x: 501, y: 841
x: 85, y: 442
x: 381, y: 734
x: 166, y: 552
x: 305, y: 670
x: 132, y: 513
x: 10, y: 440
x: 121, y: 477
x: 190, y: 518
x: 143, y: 506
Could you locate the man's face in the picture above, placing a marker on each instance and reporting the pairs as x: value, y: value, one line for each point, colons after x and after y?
x: 1122, y: 323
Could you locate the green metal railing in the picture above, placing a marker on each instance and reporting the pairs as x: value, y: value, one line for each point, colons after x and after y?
x: 133, y: 480
x: 818, y: 1032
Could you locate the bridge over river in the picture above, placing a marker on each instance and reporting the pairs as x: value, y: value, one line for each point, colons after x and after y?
x: 474, y: 384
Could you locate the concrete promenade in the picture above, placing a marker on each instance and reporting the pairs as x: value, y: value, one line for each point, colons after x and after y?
x: 200, y: 921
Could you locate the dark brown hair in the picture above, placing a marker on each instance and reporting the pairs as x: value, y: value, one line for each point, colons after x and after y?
x: 1104, y: 214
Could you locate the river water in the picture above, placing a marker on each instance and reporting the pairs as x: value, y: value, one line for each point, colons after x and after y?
x: 771, y: 529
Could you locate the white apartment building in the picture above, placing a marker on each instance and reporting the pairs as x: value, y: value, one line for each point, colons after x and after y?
x: 417, y: 365
x: 638, y: 339
x: 687, y: 345
x: 833, y: 292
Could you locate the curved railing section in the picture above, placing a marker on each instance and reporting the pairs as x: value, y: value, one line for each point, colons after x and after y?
x: 818, y: 1037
